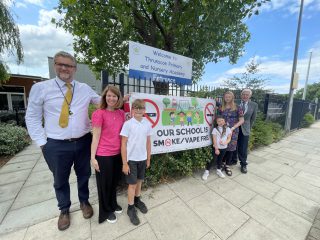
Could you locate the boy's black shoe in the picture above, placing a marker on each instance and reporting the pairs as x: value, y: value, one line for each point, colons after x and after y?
x: 118, y: 209
x: 140, y: 205
x: 112, y: 218
x: 244, y: 169
x: 132, y: 213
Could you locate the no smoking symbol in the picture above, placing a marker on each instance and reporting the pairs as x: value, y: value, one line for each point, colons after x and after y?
x: 167, y: 142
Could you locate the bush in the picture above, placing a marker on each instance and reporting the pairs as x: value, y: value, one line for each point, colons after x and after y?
x: 262, y: 131
x: 308, y: 119
x: 277, y: 131
x: 177, y: 164
x: 12, y: 139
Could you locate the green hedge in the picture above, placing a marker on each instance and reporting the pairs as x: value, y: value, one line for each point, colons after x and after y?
x: 12, y: 139
x: 308, y: 119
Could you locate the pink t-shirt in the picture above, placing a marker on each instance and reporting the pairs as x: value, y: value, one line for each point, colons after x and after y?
x: 111, y: 123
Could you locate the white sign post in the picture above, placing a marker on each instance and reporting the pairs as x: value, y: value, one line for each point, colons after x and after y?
x: 158, y: 65
x: 179, y: 123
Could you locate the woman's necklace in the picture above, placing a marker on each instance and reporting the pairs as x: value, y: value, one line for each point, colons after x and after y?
x: 69, y: 103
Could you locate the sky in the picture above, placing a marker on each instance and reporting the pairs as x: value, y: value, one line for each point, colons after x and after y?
x: 272, y: 43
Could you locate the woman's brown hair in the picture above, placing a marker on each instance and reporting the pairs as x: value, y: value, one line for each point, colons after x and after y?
x: 114, y: 90
x: 233, y: 105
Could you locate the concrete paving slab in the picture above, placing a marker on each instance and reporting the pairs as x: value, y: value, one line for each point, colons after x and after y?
x: 17, y: 167
x: 252, y: 230
x: 188, y: 188
x: 222, y: 217
x: 308, y: 168
x: 24, y: 217
x: 281, y: 160
x: 257, y: 184
x: 315, y: 233
x: 277, y: 218
x: 142, y: 232
x: 308, y: 178
x: 109, y: 231
x: 210, y: 236
x: 40, y: 178
x: 255, y: 159
x: 40, y: 166
x: 24, y: 158
x: 315, y: 162
x: 270, y: 150
x: 280, y: 167
x: 156, y: 196
x: 263, y: 172
x: 4, y: 208
x: 304, y: 189
x: 232, y: 191
x: 316, y: 224
x: 259, y: 153
x: 290, y: 150
x: 28, y: 197
x: 294, y: 157
x: 17, y: 235
x: 296, y: 203
x: 79, y: 229
x: 12, y: 177
x: 10, y: 191
x: 30, y: 150
x: 173, y: 220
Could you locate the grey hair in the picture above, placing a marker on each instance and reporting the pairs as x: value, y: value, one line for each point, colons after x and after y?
x: 247, y: 90
x: 66, y: 55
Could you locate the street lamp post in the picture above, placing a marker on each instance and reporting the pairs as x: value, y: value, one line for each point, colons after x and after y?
x: 306, y: 84
x: 293, y: 74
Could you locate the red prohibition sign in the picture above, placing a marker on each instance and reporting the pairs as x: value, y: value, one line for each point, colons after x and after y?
x: 167, y: 142
x: 209, y: 113
x: 154, y: 123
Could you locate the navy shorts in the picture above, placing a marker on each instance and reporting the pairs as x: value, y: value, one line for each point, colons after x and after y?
x: 137, y: 171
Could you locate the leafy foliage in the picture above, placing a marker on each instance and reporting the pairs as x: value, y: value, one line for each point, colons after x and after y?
x: 9, y: 39
x: 12, y: 139
x: 313, y: 91
x: 204, y: 30
x: 308, y: 119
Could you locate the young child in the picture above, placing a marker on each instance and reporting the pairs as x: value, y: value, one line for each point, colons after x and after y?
x: 221, y: 136
x: 136, y: 153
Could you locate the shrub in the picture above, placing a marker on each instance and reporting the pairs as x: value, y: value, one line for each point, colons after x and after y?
x: 308, y: 119
x: 12, y: 139
x: 262, y: 131
x: 277, y: 131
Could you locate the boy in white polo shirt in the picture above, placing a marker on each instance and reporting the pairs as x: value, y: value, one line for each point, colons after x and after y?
x: 136, y: 153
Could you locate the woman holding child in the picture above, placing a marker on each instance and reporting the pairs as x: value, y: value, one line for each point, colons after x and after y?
x: 107, y: 123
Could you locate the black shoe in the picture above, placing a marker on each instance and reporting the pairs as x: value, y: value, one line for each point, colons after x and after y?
x: 118, y: 209
x: 112, y: 218
x: 244, y: 169
x: 141, y: 206
x: 132, y: 213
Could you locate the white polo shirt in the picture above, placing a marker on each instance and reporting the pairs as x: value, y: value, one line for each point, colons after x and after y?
x: 137, y: 133
x: 218, y: 133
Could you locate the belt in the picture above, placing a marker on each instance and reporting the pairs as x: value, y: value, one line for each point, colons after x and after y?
x: 70, y: 139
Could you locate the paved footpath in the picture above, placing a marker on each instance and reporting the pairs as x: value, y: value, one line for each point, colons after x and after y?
x: 278, y: 199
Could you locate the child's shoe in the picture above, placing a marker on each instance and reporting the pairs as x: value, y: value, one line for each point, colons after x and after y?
x: 205, y: 175
x: 220, y: 174
x: 140, y: 205
x: 132, y: 213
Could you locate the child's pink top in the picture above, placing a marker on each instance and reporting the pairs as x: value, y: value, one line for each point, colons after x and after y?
x: 111, y: 124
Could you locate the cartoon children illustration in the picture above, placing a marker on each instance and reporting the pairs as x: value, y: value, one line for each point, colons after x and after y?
x: 197, y: 117
x: 172, y: 118
x: 189, y: 118
x: 181, y: 118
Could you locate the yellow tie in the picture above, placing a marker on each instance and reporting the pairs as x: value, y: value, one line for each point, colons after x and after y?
x: 64, y: 115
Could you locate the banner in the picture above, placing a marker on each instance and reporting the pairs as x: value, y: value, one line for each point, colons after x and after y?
x: 179, y: 123
x: 158, y: 65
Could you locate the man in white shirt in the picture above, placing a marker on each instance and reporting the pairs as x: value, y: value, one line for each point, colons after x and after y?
x: 64, y: 135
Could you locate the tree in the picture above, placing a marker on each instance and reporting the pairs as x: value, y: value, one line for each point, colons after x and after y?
x: 166, y: 102
x: 204, y: 30
x: 249, y: 79
x: 9, y: 40
x: 313, y: 91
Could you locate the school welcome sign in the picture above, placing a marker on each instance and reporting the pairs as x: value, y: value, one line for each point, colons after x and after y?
x: 179, y: 123
x: 158, y: 65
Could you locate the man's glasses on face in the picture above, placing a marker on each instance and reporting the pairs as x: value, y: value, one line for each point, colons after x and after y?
x: 64, y: 65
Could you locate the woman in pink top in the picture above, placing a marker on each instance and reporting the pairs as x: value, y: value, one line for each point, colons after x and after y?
x: 105, y: 151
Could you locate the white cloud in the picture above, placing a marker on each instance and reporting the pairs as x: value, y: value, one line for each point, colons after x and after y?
x: 21, y: 5
x: 35, y: 2
x: 291, y: 6
x: 39, y: 42
x: 278, y: 72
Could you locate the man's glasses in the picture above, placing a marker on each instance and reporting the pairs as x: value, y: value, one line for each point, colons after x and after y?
x: 64, y: 65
